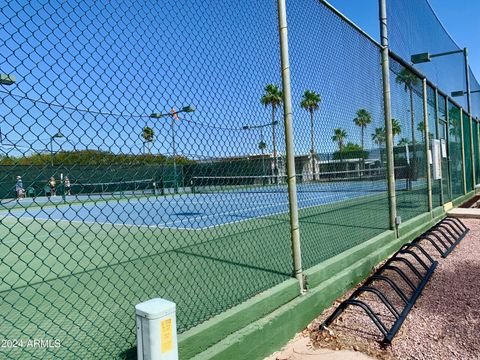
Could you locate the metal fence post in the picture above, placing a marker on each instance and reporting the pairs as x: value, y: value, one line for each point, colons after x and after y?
x: 287, y: 109
x: 467, y: 79
x: 450, y: 177
x: 392, y: 200
x: 426, y: 143
x: 462, y: 142
x: 470, y: 121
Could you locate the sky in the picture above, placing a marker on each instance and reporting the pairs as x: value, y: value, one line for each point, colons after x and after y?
x: 95, y: 71
x: 459, y: 17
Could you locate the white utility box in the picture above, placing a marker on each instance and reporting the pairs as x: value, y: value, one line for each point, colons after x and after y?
x: 156, y: 330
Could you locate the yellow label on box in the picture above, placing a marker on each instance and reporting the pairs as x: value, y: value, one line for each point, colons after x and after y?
x: 166, y: 335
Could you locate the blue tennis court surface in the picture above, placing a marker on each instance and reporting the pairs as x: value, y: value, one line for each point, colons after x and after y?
x: 187, y: 211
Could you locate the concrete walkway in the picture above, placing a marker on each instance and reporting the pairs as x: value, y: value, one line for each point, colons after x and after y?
x: 300, y: 348
x: 465, y: 213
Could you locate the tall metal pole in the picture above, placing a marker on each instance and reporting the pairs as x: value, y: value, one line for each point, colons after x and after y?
x: 472, y: 149
x: 426, y: 143
x: 467, y: 78
x: 469, y: 108
x: 449, y: 160
x: 392, y: 200
x: 175, y: 185
x: 287, y: 109
x: 462, y: 142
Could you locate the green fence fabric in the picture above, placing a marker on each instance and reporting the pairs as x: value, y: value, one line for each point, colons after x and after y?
x: 467, y: 145
x: 409, y: 140
x: 433, y: 133
x: 455, y: 151
x: 476, y: 151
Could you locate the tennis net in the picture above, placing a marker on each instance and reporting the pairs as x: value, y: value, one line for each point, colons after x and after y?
x: 366, y: 180
x: 131, y: 187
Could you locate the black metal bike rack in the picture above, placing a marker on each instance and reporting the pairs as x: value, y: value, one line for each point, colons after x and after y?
x: 420, y: 264
x: 441, y: 234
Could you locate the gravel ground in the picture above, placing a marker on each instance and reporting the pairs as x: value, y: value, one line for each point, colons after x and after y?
x: 443, y: 324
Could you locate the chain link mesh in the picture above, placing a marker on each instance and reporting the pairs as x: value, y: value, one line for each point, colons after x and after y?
x: 414, y: 28
x: 142, y: 154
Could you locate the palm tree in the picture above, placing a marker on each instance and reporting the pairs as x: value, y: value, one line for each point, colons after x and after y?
x: 396, y: 129
x: 403, y: 142
x: 339, y: 136
x: 421, y: 129
x: 273, y: 97
x: 378, y: 137
x: 409, y: 80
x: 363, y: 119
x: 148, y: 135
x: 310, y: 102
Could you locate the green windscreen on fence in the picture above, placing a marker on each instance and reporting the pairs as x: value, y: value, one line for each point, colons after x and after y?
x: 443, y: 133
x: 455, y: 151
x: 467, y: 145
x: 476, y: 151
x: 433, y: 134
x: 409, y: 142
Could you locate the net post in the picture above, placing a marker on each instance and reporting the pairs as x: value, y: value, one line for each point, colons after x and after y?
x: 426, y: 143
x: 462, y: 143
x: 392, y: 200
x: 287, y: 109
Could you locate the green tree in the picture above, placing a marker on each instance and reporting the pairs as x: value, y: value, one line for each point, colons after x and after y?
x: 273, y: 97
x: 421, y: 129
x: 350, y: 151
x: 148, y: 134
x: 403, y: 142
x: 362, y: 120
x: 310, y: 102
x: 339, y: 136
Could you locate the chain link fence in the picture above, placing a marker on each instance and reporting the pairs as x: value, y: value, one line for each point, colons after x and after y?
x: 142, y: 154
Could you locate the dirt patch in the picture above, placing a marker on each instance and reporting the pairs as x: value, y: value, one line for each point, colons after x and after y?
x: 443, y: 324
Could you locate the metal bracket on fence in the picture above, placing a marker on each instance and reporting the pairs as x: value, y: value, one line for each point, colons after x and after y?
x: 448, y: 232
x: 421, y: 267
x: 418, y: 267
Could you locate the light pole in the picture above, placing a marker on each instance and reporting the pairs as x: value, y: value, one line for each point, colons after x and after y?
x: 7, y: 79
x: 461, y: 93
x: 174, y: 115
x: 427, y: 57
x: 262, y: 138
x: 58, y: 135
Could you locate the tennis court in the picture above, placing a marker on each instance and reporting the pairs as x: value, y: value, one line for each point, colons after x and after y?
x: 216, y: 205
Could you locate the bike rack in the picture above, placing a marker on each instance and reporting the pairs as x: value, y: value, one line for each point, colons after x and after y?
x: 448, y: 228
x: 422, y: 269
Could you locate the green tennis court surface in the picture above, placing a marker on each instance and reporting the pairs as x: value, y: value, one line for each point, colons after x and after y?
x: 56, y: 268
